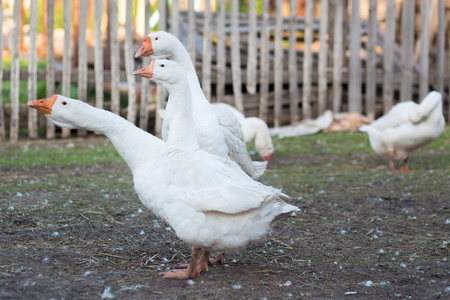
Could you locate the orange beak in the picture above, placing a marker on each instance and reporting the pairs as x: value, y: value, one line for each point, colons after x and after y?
x: 146, y: 49
x: 44, y: 105
x: 268, y: 158
x: 146, y: 72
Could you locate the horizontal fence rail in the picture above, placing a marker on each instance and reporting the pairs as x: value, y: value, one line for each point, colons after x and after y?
x: 284, y: 60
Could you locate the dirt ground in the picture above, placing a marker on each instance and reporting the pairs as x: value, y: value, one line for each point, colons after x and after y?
x: 78, y: 231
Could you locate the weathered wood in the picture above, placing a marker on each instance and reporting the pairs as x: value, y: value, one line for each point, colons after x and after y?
x: 82, y: 57
x: 293, y: 67
x: 338, y: 54
x: 50, y: 67
x: 129, y: 62
x: 145, y: 97
x: 371, y: 61
x: 264, y: 63
x: 14, y: 127
x: 32, y: 70
x: 221, y: 58
x: 192, y: 50
x: 67, y: 57
x: 424, y: 48
x: 236, y: 56
x: 307, y: 61
x: 323, y: 55
x: 407, y: 50
x: 206, y: 51
x: 354, y: 98
x: 98, y: 54
x: 278, y: 66
x: 175, y: 18
x: 115, y: 57
x: 388, y: 57
x: 441, y: 47
x: 2, y: 111
x: 252, y: 61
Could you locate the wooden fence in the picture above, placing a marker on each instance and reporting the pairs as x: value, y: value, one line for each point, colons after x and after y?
x: 272, y: 70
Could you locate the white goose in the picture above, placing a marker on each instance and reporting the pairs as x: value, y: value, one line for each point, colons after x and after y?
x: 254, y: 129
x: 217, y: 130
x: 405, y: 128
x: 208, y: 200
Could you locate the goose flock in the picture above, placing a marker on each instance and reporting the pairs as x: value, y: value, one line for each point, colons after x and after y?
x: 199, y: 177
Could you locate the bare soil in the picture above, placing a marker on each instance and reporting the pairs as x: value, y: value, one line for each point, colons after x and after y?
x: 80, y: 232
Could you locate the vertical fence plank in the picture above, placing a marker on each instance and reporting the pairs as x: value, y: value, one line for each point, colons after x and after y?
x: 323, y: 55
x: 192, y: 49
x: 338, y: 55
x: 307, y: 60
x: 2, y: 110
x: 236, y: 55
x: 371, y: 83
x: 145, y: 97
x: 206, y: 51
x: 82, y: 57
x: 293, y: 68
x: 15, y: 71
x: 264, y: 63
x: 424, y: 48
x: 354, y: 98
x: 32, y: 70
x: 221, y: 58
x: 407, y: 45
x: 98, y: 54
x: 278, y: 66
x: 388, y: 57
x: 252, y: 58
x: 115, y: 57
x: 67, y: 57
x: 50, y: 69
x: 441, y: 47
x: 174, y: 18
x: 129, y: 62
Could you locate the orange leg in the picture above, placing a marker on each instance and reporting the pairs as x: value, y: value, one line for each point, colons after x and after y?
x: 218, y: 260
x: 192, y: 270
x: 391, y: 161
x: 405, y: 167
x: 203, y: 263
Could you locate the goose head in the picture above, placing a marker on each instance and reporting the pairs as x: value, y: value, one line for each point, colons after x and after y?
x: 163, y: 72
x: 62, y: 111
x: 157, y: 44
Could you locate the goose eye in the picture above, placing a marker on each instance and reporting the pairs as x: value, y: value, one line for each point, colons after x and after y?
x: 162, y: 65
x: 156, y: 38
x: 64, y: 103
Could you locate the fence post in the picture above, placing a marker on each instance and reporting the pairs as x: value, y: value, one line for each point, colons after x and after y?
x: 32, y: 70
x: 221, y: 57
x: 354, y: 98
x: 441, y: 47
x: 293, y: 66
x: 15, y: 72
x: 323, y: 54
x: 278, y: 66
x: 67, y: 57
x: 264, y: 63
x: 192, y: 49
x: 388, y: 57
x: 236, y: 56
x: 206, y: 51
x: 307, y: 60
x: 174, y: 18
x: 252, y: 55
x: 424, y: 48
x: 82, y: 57
x: 129, y: 62
x: 371, y: 83
x: 98, y: 53
x: 143, y: 116
x: 407, y: 49
x: 115, y: 58
x: 338, y: 55
x: 2, y: 111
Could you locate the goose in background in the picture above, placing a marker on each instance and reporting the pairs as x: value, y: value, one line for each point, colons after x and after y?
x: 208, y: 200
x: 217, y: 130
x: 405, y: 128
